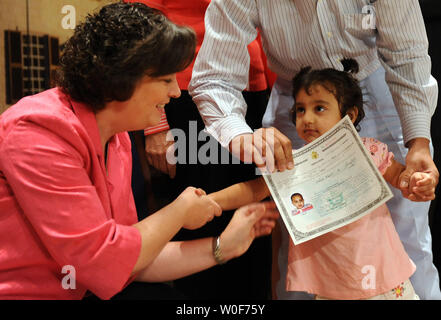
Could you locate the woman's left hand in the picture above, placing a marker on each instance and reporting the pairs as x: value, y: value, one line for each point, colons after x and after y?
x: 248, y: 222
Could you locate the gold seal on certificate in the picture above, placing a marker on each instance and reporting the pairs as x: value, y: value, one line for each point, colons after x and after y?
x: 334, y: 182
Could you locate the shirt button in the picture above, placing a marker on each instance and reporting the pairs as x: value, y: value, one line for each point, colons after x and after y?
x: 329, y: 34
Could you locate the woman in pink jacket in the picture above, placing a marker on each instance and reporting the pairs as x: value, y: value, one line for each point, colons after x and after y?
x: 68, y: 224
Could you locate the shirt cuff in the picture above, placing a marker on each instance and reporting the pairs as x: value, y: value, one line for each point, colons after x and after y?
x: 226, y: 129
x: 162, y: 126
x: 415, y: 126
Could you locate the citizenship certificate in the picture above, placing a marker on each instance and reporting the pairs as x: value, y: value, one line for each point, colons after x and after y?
x: 334, y: 182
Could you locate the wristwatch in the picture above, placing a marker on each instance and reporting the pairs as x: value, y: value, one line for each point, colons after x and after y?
x: 217, y: 253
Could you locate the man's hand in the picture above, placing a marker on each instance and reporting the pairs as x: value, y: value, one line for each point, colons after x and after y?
x: 418, y: 160
x: 268, y: 148
x: 156, y: 146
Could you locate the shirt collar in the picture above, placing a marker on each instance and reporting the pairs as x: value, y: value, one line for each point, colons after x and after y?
x: 87, y: 118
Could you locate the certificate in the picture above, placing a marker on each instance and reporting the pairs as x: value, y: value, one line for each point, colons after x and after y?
x: 334, y: 182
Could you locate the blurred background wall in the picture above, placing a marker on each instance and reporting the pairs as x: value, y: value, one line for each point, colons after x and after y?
x: 42, y: 17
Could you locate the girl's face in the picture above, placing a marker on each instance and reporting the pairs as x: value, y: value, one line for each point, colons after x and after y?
x: 315, y: 113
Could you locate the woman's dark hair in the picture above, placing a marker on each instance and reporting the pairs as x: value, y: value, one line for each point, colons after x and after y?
x: 115, y: 47
x: 341, y: 84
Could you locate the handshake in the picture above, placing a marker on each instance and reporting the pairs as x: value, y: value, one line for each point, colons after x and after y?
x: 248, y: 222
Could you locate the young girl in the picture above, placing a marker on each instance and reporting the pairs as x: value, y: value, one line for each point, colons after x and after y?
x: 362, y: 260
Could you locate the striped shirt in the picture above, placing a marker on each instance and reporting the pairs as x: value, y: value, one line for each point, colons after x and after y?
x: 161, y: 126
x: 317, y: 33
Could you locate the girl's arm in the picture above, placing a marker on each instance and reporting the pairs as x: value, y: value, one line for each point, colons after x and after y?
x: 393, y: 172
x: 179, y: 259
x: 241, y: 194
x: 421, y: 187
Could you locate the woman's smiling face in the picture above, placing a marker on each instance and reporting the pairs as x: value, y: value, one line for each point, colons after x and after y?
x: 145, y: 106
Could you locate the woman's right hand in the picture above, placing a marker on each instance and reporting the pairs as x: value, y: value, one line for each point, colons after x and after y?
x: 197, y: 208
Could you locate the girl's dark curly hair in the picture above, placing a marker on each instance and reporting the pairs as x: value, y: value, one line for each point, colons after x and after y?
x: 341, y: 84
x: 114, y: 48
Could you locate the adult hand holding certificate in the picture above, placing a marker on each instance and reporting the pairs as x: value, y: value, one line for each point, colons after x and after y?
x: 334, y: 182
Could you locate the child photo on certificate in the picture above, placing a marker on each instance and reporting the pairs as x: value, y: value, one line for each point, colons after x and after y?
x: 333, y: 265
x: 299, y: 204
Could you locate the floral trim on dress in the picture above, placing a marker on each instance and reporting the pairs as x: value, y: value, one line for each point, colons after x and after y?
x: 399, y: 290
x: 379, y: 153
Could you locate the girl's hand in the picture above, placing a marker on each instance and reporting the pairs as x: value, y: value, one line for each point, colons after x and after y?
x: 418, y: 159
x: 249, y: 222
x: 197, y: 208
x: 422, y: 186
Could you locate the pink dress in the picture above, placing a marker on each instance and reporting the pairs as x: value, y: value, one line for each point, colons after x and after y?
x: 360, y: 260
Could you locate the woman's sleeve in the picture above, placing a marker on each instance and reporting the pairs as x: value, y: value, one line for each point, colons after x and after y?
x: 47, y: 174
x: 379, y: 153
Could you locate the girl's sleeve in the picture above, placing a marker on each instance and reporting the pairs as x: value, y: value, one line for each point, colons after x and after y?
x: 379, y: 152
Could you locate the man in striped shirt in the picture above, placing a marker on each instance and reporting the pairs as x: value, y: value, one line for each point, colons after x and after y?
x: 389, y: 42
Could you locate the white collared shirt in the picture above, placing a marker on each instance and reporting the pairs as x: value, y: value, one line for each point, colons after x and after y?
x: 317, y: 33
